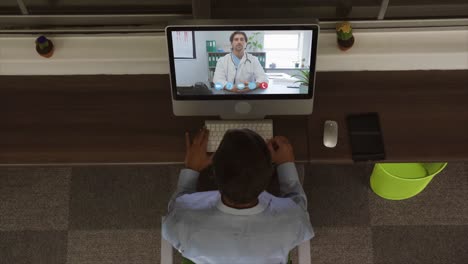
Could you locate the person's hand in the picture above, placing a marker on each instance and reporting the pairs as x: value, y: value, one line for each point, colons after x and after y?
x: 257, y: 85
x: 237, y: 90
x: 245, y: 90
x: 196, y: 157
x: 281, y: 150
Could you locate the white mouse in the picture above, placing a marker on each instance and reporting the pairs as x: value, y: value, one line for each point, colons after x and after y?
x: 330, y: 134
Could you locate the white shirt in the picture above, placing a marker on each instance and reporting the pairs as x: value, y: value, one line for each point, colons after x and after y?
x: 205, y: 230
x: 249, y: 70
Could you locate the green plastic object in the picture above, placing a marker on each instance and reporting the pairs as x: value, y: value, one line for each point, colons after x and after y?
x: 398, y: 181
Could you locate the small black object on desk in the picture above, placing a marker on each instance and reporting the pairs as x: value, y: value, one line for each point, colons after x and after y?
x: 365, y: 137
x: 199, y: 88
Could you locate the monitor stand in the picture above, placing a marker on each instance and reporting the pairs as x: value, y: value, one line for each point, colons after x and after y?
x: 242, y: 110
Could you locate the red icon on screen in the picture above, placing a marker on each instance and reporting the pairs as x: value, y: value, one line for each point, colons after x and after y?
x: 264, y: 85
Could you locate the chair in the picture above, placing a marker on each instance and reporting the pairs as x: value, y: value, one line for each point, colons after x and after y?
x: 166, y: 252
x: 398, y: 181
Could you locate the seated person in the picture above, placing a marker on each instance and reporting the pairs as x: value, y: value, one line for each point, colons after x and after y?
x: 239, y: 67
x: 240, y: 222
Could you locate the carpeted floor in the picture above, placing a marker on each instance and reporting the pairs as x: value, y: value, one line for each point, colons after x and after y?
x: 112, y: 214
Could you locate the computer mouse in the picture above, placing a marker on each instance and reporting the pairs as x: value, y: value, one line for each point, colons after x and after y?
x: 330, y: 133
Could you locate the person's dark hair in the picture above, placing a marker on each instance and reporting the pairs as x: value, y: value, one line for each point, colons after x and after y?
x: 242, y: 165
x: 231, y: 38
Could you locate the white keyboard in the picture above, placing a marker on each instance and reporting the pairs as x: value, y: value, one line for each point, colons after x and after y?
x: 218, y: 128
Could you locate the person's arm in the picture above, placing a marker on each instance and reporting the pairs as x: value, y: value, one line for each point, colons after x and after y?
x: 220, y: 75
x: 196, y: 159
x: 290, y: 186
x: 260, y: 75
x: 282, y: 154
x: 187, y: 184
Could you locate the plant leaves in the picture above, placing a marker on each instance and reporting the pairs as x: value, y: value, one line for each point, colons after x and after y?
x: 303, y: 77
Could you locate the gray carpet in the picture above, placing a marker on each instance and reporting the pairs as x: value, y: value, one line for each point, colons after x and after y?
x: 103, y: 214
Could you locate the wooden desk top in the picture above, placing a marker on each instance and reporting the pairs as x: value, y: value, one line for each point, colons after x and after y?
x: 102, y: 119
x: 423, y: 114
x: 128, y: 118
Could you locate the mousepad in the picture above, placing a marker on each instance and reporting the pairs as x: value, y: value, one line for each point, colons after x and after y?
x: 365, y: 137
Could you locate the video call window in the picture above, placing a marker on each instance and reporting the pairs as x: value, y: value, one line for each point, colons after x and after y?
x: 242, y: 62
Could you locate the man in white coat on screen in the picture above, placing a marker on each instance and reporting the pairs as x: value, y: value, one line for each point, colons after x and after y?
x: 239, y: 71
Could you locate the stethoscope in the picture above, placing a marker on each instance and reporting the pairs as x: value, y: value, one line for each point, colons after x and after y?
x: 246, y: 60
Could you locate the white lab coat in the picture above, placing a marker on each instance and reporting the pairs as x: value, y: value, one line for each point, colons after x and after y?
x: 249, y: 70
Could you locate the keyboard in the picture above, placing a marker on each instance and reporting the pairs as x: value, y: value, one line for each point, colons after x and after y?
x: 218, y: 128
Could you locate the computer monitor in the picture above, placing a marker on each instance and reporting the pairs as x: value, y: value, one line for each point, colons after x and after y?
x: 242, y: 69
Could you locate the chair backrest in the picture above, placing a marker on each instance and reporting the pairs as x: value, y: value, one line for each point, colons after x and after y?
x: 166, y: 249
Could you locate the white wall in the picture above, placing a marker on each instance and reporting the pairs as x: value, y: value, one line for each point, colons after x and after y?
x: 190, y: 71
x: 222, y: 39
x: 147, y: 54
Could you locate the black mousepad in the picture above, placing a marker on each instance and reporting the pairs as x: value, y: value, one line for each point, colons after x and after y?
x: 365, y: 137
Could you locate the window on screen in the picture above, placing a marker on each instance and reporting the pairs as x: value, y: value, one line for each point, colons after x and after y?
x: 284, y: 49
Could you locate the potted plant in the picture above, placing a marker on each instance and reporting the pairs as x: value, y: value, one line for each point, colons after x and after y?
x: 253, y: 43
x: 303, y: 81
x: 44, y: 47
x: 345, y: 37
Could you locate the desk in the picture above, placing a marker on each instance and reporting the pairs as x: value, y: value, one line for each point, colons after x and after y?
x: 128, y: 119
x: 101, y: 119
x: 272, y: 89
x: 278, y: 83
x: 423, y: 114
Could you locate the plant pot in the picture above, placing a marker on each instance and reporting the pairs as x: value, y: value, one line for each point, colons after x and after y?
x: 345, y: 44
x: 303, y: 89
x: 46, y: 52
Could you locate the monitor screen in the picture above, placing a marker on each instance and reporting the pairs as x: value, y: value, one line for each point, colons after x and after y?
x: 242, y: 62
